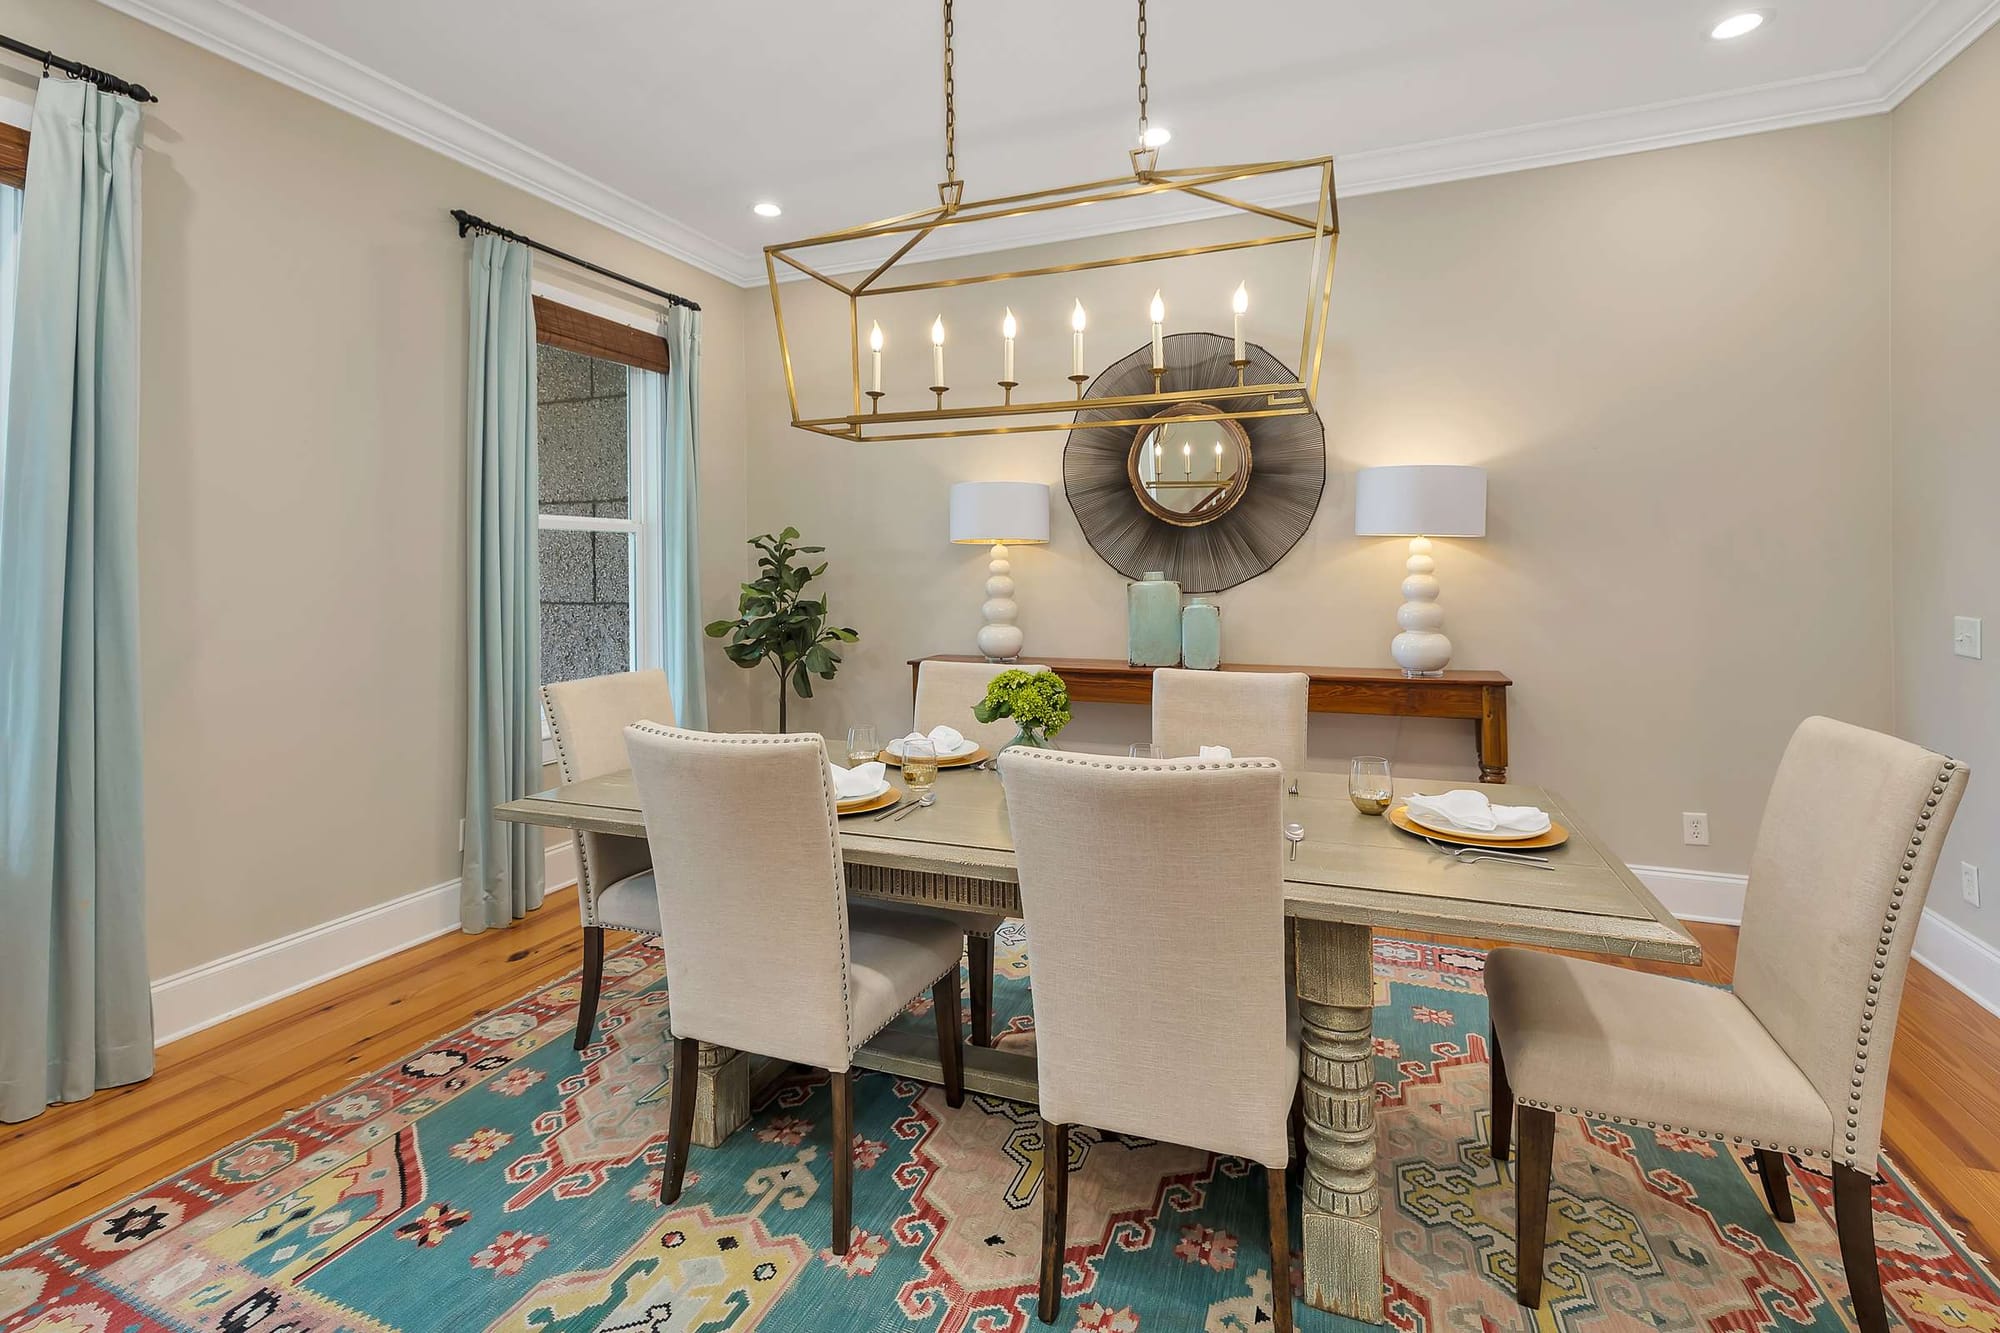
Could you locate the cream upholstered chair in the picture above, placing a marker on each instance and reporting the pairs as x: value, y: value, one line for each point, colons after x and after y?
x: 1795, y: 1060
x: 614, y: 875
x: 1154, y: 891
x: 1255, y: 713
x: 763, y: 953
x: 946, y: 693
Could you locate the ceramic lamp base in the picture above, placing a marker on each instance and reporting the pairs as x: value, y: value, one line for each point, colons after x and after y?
x: 1000, y: 638
x: 1422, y: 648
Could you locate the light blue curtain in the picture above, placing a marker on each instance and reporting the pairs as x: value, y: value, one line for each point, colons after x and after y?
x: 501, y: 869
x: 680, y: 537
x: 76, y: 1009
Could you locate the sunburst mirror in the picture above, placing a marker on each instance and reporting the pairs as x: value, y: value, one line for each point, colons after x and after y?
x: 1211, y: 501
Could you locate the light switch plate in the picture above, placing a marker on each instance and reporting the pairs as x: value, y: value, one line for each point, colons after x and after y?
x: 1968, y: 883
x: 1965, y: 636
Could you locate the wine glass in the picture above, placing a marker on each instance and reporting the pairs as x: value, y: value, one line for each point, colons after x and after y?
x: 1146, y: 752
x: 919, y: 764
x: 862, y: 747
x: 1368, y: 784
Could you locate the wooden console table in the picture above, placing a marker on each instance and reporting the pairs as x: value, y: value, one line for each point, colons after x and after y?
x: 1479, y: 697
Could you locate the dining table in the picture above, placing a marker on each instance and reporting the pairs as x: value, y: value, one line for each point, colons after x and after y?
x: 1351, y: 875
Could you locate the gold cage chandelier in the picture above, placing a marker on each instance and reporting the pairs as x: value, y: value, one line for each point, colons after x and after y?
x: 1056, y: 409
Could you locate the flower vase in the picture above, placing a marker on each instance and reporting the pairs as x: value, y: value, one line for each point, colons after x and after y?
x: 1153, y: 621
x: 1201, y: 635
x: 1029, y: 737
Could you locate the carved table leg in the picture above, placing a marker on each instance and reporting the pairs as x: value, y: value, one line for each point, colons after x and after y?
x: 722, y: 1094
x: 1342, y: 1233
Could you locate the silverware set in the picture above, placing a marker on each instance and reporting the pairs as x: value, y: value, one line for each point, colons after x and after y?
x: 1467, y: 855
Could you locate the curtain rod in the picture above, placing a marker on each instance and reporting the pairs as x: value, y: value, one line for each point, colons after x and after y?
x: 467, y: 222
x: 49, y: 60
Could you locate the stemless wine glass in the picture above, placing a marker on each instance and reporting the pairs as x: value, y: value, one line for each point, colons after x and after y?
x: 862, y: 747
x: 1146, y: 752
x: 919, y: 764
x: 1368, y: 784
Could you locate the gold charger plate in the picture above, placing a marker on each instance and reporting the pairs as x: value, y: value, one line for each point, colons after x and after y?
x: 1555, y: 837
x: 962, y: 761
x: 886, y: 799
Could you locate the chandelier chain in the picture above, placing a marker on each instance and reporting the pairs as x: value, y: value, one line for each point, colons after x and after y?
x: 950, y: 105
x: 1142, y: 70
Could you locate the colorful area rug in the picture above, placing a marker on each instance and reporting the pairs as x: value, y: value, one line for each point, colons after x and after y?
x: 500, y: 1180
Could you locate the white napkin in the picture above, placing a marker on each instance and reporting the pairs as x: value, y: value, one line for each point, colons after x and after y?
x: 946, y: 740
x: 1470, y: 812
x: 1215, y: 752
x: 852, y: 784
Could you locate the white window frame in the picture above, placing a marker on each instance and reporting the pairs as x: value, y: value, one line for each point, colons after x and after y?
x: 645, y: 401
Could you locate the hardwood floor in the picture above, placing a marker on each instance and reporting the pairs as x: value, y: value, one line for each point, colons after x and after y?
x: 230, y: 1080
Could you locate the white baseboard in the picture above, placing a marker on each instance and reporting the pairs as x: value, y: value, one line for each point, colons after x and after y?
x: 1946, y: 948
x: 203, y: 996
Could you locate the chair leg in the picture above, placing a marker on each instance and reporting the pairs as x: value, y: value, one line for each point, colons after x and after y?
x: 680, y: 1118
x: 843, y: 1158
x: 593, y: 981
x: 951, y: 1037
x: 1055, y: 1217
x: 979, y: 962
x: 1777, y: 1180
x: 1281, y: 1249
x: 1854, y: 1219
x: 1531, y: 1201
x: 1503, y: 1100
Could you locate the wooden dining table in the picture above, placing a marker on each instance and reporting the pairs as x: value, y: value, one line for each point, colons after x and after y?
x: 1352, y: 875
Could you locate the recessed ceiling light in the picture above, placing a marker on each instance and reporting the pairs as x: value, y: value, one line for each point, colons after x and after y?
x: 1736, y: 25
x: 1157, y: 136
x: 767, y: 209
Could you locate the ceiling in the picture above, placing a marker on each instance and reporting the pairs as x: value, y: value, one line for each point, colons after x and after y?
x: 668, y: 119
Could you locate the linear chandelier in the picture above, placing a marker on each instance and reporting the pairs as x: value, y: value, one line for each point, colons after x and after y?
x: 886, y: 413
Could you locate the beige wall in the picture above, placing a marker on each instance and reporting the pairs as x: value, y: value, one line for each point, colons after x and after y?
x: 1675, y: 365
x: 1947, y: 432
x: 301, y: 506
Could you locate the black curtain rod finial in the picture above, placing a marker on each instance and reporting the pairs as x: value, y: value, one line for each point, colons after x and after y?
x: 49, y: 60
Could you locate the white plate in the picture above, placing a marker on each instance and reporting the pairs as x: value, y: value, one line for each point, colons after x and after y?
x: 959, y: 751
x: 880, y: 787
x: 1497, y: 835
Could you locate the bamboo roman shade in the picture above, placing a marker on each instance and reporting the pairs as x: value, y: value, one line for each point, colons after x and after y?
x: 593, y: 335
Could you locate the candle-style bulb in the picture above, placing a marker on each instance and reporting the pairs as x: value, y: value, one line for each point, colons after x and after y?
x: 875, y: 338
x: 937, y: 331
x: 1240, y: 303
x: 1007, y: 325
x: 1158, y: 309
x: 1076, y: 317
x: 1218, y: 449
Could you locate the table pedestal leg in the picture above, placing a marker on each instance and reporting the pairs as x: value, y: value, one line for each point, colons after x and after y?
x: 721, y: 1095
x: 1342, y: 1232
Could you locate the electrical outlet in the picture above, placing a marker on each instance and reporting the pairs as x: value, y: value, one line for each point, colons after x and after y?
x: 1694, y: 828
x: 1965, y: 636
x: 461, y: 835
x: 1968, y: 882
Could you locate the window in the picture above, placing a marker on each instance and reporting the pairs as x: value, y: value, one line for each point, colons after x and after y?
x: 601, y: 390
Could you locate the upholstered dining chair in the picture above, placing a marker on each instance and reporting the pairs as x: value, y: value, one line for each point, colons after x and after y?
x: 1794, y: 1060
x: 763, y: 952
x: 1254, y: 713
x: 1154, y: 893
x: 946, y: 693
x: 614, y: 875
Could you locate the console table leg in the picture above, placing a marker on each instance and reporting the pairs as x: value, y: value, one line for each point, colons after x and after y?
x: 1342, y: 1214
x: 1493, y: 736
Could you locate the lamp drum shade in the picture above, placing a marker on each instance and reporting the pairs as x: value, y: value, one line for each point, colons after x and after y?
x: 985, y: 512
x: 1425, y: 500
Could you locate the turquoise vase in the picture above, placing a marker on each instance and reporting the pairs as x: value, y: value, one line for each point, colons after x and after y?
x: 1153, y: 621
x: 1201, y: 635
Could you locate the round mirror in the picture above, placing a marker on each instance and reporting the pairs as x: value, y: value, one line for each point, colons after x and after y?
x: 1188, y: 470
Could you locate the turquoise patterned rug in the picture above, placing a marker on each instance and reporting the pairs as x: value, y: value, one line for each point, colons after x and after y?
x: 500, y: 1180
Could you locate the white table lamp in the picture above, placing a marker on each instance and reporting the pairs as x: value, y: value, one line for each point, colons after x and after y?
x: 1420, y: 503
x: 997, y: 513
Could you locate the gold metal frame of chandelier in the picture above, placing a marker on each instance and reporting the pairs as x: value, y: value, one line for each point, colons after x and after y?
x: 1289, y: 398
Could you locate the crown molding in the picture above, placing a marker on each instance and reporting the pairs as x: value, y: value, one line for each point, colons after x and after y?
x: 255, y: 42
x: 1924, y: 46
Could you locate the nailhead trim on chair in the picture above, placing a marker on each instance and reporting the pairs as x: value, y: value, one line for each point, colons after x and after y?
x: 1890, y: 920
x: 586, y: 892
x: 832, y: 833
x: 1148, y: 766
x: 1671, y: 1128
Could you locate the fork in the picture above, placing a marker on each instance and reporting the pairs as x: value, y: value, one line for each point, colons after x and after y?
x: 1494, y: 853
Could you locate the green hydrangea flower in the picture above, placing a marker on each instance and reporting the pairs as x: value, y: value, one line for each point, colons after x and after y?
x: 1037, y: 701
